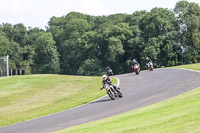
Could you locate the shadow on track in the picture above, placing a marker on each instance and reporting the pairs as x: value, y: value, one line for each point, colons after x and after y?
x: 99, y: 101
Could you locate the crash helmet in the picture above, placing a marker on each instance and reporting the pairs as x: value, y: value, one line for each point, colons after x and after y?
x: 147, y: 58
x: 134, y: 60
x: 104, y: 77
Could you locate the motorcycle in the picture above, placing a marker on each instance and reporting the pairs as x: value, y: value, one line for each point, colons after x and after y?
x: 136, y: 69
x: 112, y: 92
x: 150, y: 66
x: 109, y: 72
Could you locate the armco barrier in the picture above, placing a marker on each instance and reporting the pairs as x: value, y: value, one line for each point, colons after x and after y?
x: 23, y: 72
x: 10, y: 73
x: 18, y: 72
x: 0, y: 73
x: 14, y: 72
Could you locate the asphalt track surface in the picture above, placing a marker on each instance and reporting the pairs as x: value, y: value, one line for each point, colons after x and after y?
x: 138, y: 91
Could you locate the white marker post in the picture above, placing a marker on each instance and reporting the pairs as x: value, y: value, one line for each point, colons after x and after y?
x: 5, y: 59
x: 7, y: 65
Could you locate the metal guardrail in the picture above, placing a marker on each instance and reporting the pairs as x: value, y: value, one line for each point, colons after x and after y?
x: 13, y: 72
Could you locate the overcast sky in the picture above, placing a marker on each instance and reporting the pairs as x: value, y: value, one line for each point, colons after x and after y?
x: 37, y: 13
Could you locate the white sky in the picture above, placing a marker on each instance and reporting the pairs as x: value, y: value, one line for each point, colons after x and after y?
x: 37, y: 13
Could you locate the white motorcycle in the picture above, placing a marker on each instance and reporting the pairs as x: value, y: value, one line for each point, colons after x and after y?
x: 112, y: 92
x: 150, y: 66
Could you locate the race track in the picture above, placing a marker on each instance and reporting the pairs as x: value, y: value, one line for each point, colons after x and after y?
x: 138, y: 91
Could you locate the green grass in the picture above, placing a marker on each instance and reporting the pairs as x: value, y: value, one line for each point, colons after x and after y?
x: 180, y: 114
x: 26, y: 97
x: 191, y: 66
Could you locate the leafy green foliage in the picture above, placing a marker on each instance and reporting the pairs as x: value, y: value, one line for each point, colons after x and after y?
x: 48, y: 61
x: 90, y: 67
x: 167, y: 37
x: 188, y: 15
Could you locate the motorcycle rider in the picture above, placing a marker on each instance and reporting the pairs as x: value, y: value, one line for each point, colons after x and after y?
x: 109, y: 71
x: 134, y: 62
x: 107, y: 80
x: 147, y: 61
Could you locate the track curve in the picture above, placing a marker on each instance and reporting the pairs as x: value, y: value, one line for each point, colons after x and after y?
x: 138, y: 91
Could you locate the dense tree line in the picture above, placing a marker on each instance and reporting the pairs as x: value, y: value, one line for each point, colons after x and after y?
x: 81, y: 44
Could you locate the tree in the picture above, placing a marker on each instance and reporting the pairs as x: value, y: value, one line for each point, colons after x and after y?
x: 11, y: 48
x: 91, y: 67
x: 115, y: 48
x: 188, y: 17
x: 152, y: 50
x: 46, y: 58
x: 161, y: 39
x: 4, y: 43
x: 20, y: 34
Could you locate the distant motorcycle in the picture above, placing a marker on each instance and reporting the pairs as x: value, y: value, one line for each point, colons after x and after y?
x: 136, y: 69
x: 109, y: 72
x: 150, y: 66
x: 112, y: 92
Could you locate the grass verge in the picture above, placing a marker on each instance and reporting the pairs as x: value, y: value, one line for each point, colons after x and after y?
x: 26, y: 97
x: 180, y: 114
x: 191, y: 66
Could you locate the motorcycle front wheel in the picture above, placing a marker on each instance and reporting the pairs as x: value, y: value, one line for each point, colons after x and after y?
x: 137, y: 72
x: 111, y: 94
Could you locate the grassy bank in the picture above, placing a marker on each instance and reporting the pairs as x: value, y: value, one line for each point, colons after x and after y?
x: 191, y: 66
x: 180, y: 114
x: 31, y: 96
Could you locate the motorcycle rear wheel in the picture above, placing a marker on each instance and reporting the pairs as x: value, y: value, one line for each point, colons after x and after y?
x: 119, y: 93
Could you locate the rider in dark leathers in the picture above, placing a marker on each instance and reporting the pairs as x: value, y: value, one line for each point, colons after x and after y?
x: 109, y: 71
